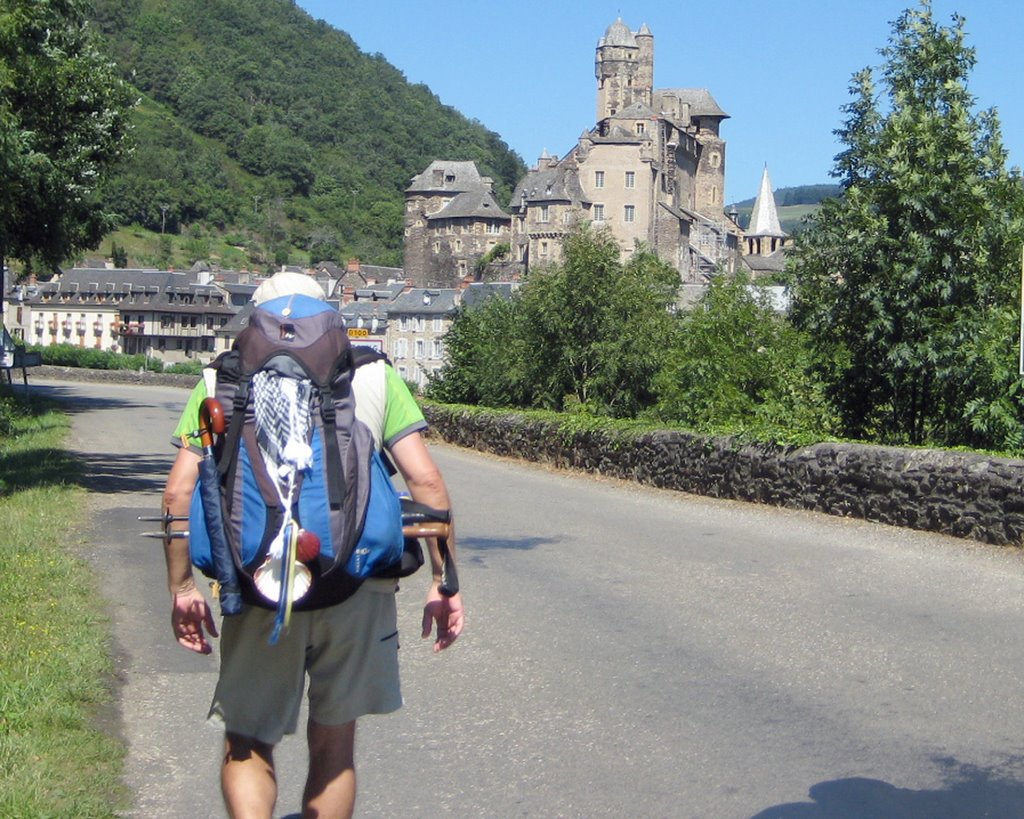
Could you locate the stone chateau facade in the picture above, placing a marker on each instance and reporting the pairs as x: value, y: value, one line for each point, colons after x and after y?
x: 651, y: 170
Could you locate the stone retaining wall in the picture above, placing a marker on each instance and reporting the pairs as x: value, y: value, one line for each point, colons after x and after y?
x: 955, y: 493
x: 960, y: 494
x: 112, y: 376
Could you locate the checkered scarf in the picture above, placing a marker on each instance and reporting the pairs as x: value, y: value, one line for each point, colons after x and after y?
x: 283, y: 420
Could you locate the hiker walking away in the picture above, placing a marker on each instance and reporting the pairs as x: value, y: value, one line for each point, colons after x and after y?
x: 348, y: 650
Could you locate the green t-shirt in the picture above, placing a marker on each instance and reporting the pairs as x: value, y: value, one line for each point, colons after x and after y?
x: 401, y: 414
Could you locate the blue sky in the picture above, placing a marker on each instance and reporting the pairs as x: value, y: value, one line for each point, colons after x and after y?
x: 780, y: 70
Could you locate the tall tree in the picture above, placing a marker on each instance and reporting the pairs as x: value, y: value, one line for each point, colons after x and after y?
x: 63, y: 123
x: 739, y: 364
x: 590, y: 332
x: 905, y: 281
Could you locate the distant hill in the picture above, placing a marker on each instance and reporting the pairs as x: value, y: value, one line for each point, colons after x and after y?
x: 793, y: 204
x: 258, y: 122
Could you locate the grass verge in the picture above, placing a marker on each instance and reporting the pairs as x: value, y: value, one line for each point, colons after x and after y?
x: 55, y: 760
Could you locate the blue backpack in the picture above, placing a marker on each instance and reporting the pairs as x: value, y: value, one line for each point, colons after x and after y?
x: 341, y: 491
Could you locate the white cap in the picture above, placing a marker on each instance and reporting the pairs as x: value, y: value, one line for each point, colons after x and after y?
x: 288, y: 283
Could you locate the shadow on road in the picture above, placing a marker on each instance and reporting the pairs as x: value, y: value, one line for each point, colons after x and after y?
x: 489, y: 544
x: 72, y: 401
x: 997, y: 793
x: 106, y: 473
x: 110, y: 473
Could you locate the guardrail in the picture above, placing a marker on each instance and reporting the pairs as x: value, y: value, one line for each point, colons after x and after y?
x: 20, y: 360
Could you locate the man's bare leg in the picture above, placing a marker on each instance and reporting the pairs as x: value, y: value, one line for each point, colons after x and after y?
x: 331, y: 787
x: 247, y: 778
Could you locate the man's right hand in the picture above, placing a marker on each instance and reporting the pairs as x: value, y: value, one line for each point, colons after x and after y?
x: 190, y: 613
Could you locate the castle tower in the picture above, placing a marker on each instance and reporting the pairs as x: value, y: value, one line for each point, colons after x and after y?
x: 624, y: 68
x: 645, y: 70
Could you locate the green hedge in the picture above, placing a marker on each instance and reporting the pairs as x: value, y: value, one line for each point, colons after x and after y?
x: 67, y: 355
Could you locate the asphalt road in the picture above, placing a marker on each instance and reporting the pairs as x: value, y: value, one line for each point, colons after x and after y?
x: 629, y: 652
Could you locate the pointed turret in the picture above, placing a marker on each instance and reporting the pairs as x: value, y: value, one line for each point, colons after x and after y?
x: 764, y: 233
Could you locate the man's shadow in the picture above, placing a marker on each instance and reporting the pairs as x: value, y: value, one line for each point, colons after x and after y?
x: 970, y: 791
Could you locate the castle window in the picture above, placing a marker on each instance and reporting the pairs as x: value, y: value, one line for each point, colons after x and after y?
x: 543, y: 248
x: 543, y: 214
x: 630, y: 179
x: 598, y: 179
x: 598, y: 213
x: 640, y: 127
x: 715, y: 159
x: 629, y: 213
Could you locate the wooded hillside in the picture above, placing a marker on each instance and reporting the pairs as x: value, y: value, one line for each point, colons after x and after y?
x: 257, y: 120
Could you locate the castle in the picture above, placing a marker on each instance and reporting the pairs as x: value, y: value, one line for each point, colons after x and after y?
x: 651, y: 170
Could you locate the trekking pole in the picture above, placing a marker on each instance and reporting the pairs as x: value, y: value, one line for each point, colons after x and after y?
x: 420, y: 520
x: 166, y: 519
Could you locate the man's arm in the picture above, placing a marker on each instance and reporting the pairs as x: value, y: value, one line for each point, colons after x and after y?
x: 425, y: 484
x: 190, y: 612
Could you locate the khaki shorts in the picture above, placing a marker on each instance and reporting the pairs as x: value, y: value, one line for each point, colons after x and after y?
x: 349, y: 651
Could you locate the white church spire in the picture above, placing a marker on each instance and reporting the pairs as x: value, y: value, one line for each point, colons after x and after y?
x: 764, y: 218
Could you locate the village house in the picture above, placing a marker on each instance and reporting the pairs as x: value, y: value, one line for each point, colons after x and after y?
x: 163, y: 314
x: 417, y: 322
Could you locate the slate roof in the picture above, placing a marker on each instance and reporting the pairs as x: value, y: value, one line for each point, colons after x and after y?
x: 617, y: 134
x: 558, y: 184
x: 451, y: 177
x: 330, y: 268
x: 475, y: 204
x: 618, y: 34
x: 381, y: 273
x: 424, y: 301
x: 773, y: 263
x: 368, y: 311
x: 701, y: 103
x: 479, y: 292
x: 635, y: 111
x: 89, y: 284
x: 380, y: 292
x: 238, y: 322
x: 239, y: 293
